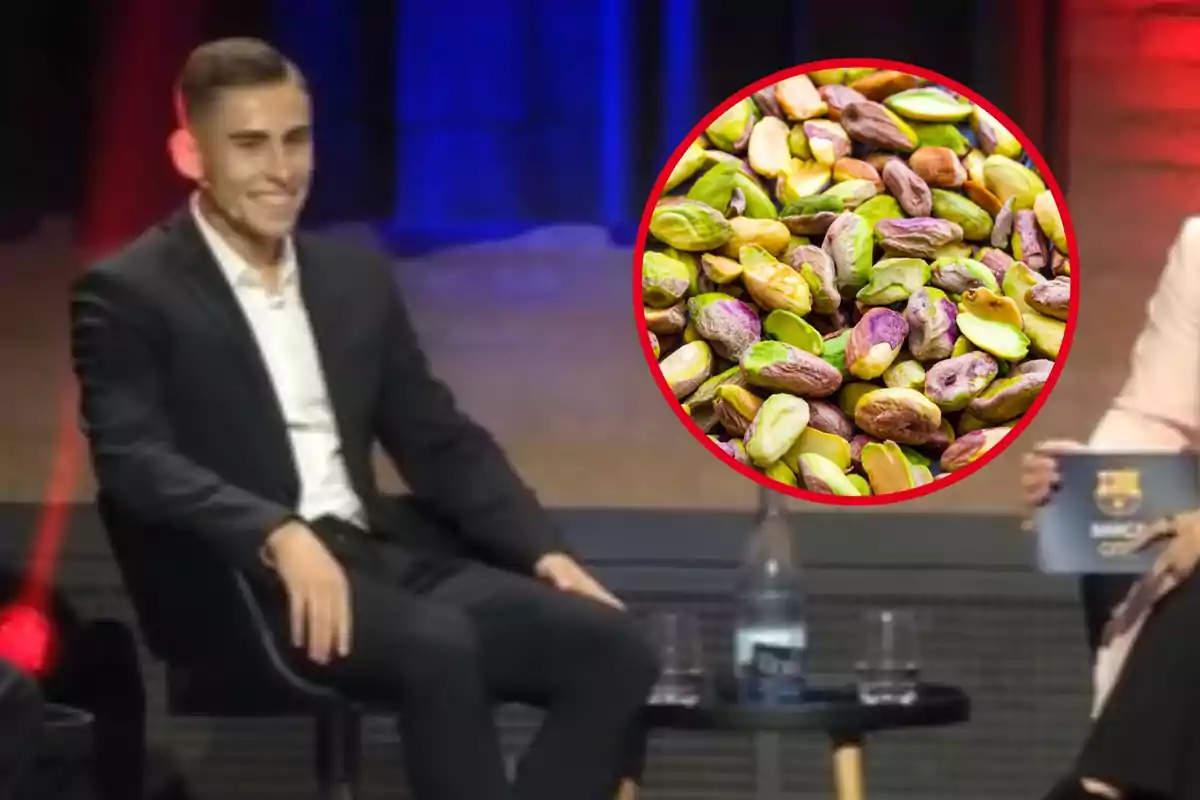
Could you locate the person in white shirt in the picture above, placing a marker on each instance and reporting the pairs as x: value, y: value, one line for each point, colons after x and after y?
x: 1146, y: 721
x: 235, y: 375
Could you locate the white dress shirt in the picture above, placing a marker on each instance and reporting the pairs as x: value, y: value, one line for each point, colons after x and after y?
x: 285, y: 339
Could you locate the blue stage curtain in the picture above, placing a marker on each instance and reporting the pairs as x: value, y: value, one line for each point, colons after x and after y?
x: 322, y: 37
x: 511, y: 115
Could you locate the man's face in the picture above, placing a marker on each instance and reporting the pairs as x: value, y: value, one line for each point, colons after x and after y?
x: 255, y: 147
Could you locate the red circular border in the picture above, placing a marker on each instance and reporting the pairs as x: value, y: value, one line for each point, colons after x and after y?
x: 938, y: 484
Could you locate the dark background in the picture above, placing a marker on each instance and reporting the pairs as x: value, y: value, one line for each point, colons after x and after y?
x: 454, y: 121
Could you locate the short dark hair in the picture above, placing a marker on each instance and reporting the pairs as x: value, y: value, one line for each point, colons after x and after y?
x: 231, y: 63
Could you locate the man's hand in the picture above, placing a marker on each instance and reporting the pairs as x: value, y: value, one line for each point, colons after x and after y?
x: 1039, y: 470
x: 318, y: 594
x: 565, y: 574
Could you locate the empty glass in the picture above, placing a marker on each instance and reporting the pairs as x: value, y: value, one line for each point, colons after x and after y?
x: 889, y: 668
x: 676, y: 636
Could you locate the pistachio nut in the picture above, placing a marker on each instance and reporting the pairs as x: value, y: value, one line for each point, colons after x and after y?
x: 1051, y: 298
x: 849, y: 169
x: 910, y: 191
x: 731, y: 131
x: 818, y: 270
x: 736, y: 407
x: 850, y: 245
x: 776, y: 427
x: 929, y: 104
x: 692, y: 160
x: 827, y: 139
x: 883, y: 83
x: 780, y: 367
x: 687, y: 368
x: 769, y: 234
x: 994, y: 138
x: 665, y: 280
x: 725, y: 322
x: 768, y: 151
x: 1050, y: 221
x: 1005, y: 178
x: 874, y: 125
x: 689, y: 225
x: 920, y: 237
x: 837, y: 97
x: 976, y: 224
x: 822, y: 476
x: 893, y: 280
x: 942, y: 134
x: 799, y: 99
x: 931, y: 324
x: 938, y: 166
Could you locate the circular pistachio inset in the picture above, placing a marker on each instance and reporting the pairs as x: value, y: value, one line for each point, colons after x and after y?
x: 856, y: 236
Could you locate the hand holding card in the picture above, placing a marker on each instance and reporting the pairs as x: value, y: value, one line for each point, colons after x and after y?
x: 1111, y: 512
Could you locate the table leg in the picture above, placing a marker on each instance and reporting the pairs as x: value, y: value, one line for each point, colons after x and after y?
x: 848, y: 768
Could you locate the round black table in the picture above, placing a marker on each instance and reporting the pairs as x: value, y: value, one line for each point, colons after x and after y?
x: 63, y: 765
x: 836, y: 711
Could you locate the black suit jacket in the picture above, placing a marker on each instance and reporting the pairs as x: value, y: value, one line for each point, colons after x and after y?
x: 186, y: 434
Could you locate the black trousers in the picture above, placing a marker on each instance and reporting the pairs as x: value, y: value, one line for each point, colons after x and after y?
x: 20, y: 728
x: 443, y: 640
x: 1146, y: 742
x: 1100, y: 595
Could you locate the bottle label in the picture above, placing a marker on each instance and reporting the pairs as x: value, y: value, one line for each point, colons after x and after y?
x: 770, y: 665
x: 749, y: 639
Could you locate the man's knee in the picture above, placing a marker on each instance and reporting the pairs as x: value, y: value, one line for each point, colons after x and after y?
x: 627, y: 656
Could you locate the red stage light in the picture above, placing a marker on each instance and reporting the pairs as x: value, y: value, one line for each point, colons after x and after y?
x: 25, y: 638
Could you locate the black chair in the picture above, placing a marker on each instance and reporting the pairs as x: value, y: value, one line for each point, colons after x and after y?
x: 188, y: 604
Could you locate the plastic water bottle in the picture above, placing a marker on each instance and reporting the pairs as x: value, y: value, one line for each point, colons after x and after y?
x: 770, y: 634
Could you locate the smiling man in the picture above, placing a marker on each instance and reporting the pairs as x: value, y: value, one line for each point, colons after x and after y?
x: 234, y: 377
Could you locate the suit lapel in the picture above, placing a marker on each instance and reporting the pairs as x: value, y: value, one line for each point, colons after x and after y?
x: 323, y: 292
x: 210, y: 291
x: 213, y: 295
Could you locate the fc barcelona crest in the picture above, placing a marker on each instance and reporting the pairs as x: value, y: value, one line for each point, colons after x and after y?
x: 1118, y: 492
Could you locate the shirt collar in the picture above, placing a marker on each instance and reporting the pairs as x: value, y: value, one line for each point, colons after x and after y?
x: 236, y: 269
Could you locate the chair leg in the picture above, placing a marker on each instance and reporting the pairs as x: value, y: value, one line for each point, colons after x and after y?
x: 339, y: 740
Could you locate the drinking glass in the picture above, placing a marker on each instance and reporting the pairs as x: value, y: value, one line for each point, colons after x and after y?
x: 676, y: 636
x: 888, y: 669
